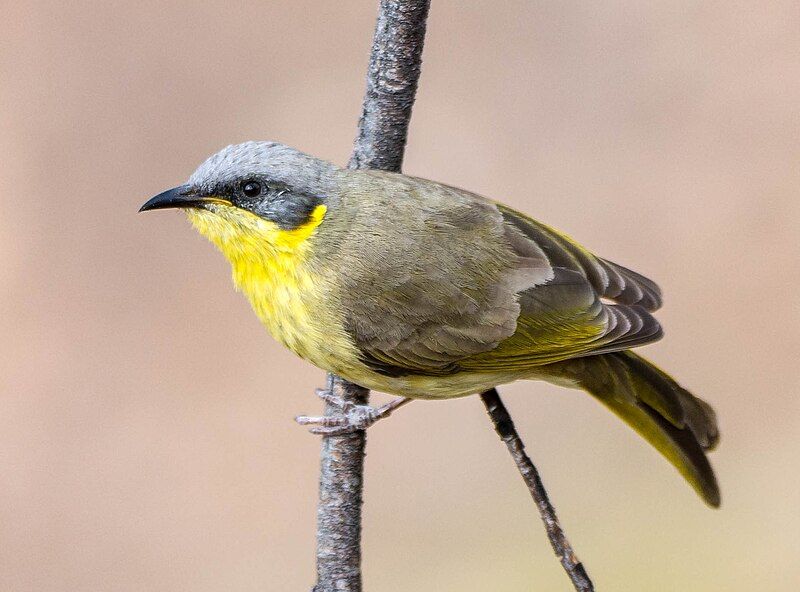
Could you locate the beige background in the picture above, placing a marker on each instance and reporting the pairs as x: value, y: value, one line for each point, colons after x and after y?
x: 146, y: 439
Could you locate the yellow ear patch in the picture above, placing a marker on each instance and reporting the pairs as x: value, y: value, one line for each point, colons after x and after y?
x: 297, y: 236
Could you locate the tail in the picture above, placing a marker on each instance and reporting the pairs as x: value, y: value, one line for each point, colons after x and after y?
x: 678, y: 424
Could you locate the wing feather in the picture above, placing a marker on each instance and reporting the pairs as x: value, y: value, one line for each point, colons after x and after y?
x: 473, y: 285
x: 610, y: 280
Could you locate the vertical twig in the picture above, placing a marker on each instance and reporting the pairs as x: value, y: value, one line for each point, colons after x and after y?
x: 341, y: 483
x: 392, y: 78
x: 504, y: 426
x: 394, y: 68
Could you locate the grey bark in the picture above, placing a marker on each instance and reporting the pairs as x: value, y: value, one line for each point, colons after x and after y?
x: 392, y: 78
x: 504, y: 426
x: 394, y: 68
x: 341, y: 483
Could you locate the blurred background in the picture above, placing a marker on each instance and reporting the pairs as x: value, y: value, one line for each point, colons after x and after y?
x: 146, y: 433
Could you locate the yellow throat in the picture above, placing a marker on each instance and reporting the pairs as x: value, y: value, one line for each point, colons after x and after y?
x: 269, y: 266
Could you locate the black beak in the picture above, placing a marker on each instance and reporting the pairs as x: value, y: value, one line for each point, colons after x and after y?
x: 180, y: 197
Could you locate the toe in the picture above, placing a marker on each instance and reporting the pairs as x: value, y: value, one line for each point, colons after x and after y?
x: 338, y: 430
x: 325, y: 420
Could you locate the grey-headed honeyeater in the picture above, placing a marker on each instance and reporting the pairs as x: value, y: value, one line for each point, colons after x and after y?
x: 422, y: 290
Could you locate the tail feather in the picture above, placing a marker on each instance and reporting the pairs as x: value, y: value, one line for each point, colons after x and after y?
x: 678, y: 424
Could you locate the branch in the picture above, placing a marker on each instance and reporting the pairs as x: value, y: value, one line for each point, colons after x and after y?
x: 392, y: 78
x: 504, y: 426
x: 394, y: 68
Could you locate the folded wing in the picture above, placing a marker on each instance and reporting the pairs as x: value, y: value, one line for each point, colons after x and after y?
x: 487, y: 289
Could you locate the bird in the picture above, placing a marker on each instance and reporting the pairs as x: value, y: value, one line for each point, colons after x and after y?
x: 426, y: 291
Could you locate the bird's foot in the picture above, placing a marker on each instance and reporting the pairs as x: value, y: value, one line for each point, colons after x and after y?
x: 350, y: 418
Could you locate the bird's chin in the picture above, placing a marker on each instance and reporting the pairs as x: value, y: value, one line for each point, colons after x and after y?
x: 205, y: 220
x: 222, y: 223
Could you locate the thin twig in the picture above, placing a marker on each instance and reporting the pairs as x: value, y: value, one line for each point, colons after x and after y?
x: 392, y: 78
x: 504, y: 426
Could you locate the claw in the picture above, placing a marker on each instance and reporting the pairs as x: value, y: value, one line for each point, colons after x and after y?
x: 350, y: 418
x: 333, y: 400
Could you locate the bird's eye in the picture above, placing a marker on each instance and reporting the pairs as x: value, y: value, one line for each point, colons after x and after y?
x: 251, y: 189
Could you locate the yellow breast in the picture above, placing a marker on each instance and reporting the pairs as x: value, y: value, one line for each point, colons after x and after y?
x: 270, y: 266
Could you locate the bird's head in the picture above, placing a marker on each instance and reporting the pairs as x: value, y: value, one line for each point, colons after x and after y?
x: 255, y: 192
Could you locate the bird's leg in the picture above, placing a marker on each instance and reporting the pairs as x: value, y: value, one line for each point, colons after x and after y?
x: 351, y: 417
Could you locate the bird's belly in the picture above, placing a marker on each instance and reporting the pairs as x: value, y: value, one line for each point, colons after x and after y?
x: 285, y: 313
x: 455, y: 385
